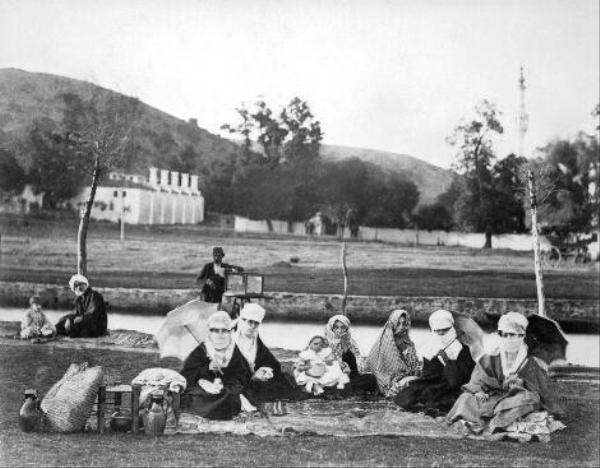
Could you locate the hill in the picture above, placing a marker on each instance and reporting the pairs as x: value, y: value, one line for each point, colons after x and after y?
x: 165, y: 141
x: 160, y: 139
x: 431, y: 180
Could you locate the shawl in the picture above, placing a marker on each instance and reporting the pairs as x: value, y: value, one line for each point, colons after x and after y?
x: 513, y: 368
x: 219, y: 358
x: 340, y: 344
x: 247, y: 346
x: 388, y: 362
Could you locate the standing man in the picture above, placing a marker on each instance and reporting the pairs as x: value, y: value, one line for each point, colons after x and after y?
x: 212, y: 276
x: 89, y: 319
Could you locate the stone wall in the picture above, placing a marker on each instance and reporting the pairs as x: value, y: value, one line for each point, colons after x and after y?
x: 281, y: 305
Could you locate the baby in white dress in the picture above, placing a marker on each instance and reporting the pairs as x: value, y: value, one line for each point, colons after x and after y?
x: 316, y: 368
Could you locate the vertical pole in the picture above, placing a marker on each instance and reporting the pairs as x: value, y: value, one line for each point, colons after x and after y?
x: 101, y: 408
x: 539, y: 274
x: 122, y: 215
x: 135, y: 408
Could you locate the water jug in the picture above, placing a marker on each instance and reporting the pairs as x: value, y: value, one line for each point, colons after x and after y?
x: 157, y: 416
x: 29, y: 415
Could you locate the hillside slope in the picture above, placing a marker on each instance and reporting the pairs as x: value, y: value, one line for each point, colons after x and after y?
x: 431, y: 180
x: 162, y: 140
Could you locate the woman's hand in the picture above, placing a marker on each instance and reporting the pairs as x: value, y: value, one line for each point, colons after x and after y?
x: 482, y: 397
x: 513, y: 381
x: 263, y: 374
x: 345, y: 367
x: 214, y: 388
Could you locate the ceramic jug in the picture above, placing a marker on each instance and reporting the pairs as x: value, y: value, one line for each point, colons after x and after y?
x: 29, y: 415
x: 157, y: 416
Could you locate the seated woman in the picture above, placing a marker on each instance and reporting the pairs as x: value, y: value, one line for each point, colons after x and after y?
x: 317, y: 368
x: 268, y: 382
x: 393, y: 358
x: 447, y: 365
x: 346, y: 352
x: 508, y: 391
x: 35, y: 324
x: 216, y: 373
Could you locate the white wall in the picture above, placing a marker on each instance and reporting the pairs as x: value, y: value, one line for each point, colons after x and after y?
x: 139, y: 202
x: 520, y: 242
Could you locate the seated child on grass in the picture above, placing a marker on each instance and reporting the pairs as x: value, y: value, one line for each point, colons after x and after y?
x: 35, y: 324
x: 317, y: 368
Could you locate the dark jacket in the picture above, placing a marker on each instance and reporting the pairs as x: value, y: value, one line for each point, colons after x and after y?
x: 235, y: 377
x: 214, y: 293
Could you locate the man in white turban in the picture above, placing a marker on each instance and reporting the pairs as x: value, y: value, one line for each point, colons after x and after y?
x: 447, y: 365
x: 89, y: 318
x: 268, y: 382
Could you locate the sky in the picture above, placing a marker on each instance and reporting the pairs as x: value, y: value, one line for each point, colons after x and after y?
x: 390, y: 75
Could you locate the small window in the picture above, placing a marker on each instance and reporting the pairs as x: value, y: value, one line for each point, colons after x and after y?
x: 124, y: 193
x: 111, y: 206
x: 115, y: 193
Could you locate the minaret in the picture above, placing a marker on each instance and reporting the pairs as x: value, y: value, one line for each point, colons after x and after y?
x: 523, y: 119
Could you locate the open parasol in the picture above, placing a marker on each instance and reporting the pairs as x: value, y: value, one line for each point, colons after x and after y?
x: 184, y: 328
x: 469, y: 333
x: 545, y: 339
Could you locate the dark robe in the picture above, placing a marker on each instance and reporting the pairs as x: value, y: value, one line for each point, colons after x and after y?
x: 214, y: 293
x: 439, y: 385
x: 359, y: 382
x: 505, y: 403
x: 235, y: 378
x: 90, y: 306
x: 281, y: 386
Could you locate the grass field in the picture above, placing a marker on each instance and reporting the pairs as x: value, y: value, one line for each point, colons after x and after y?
x: 41, y: 366
x: 171, y: 257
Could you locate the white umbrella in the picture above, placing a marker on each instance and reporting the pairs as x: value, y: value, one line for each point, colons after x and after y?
x: 184, y: 328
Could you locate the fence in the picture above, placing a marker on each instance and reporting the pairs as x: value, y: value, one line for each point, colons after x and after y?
x: 521, y: 242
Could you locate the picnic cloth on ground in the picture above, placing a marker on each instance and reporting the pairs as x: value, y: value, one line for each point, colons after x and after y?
x: 344, y: 418
x: 69, y: 402
x: 509, y: 402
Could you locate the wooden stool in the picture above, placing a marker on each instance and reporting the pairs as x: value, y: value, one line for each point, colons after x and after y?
x: 132, y: 394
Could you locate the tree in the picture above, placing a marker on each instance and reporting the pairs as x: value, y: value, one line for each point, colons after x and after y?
x: 98, y: 126
x: 473, y: 140
x: 433, y: 217
x: 571, y: 171
x: 12, y: 175
x: 280, y: 181
x: 55, y: 167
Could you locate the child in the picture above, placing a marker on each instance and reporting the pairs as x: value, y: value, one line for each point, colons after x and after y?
x: 316, y: 368
x: 35, y: 324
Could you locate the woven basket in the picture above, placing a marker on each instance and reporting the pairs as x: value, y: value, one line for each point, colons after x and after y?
x: 68, y: 404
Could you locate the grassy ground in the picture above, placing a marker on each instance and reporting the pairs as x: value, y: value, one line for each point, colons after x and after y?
x: 40, y: 366
x: 171, y: 257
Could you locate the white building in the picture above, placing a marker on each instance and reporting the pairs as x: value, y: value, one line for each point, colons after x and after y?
x: 166, y: 197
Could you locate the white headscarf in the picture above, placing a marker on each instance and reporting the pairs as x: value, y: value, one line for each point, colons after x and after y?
x: 219, y: 357
x: 77, y: 279
x: 448, y: 342
x: 248, y: 346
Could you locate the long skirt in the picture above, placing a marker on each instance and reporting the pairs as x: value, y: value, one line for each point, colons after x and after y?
x: 225, y: 405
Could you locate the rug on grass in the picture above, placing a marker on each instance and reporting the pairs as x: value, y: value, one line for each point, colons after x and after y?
x: 343, y: 418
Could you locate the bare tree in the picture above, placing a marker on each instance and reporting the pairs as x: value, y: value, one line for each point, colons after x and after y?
x: 99, y: 125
